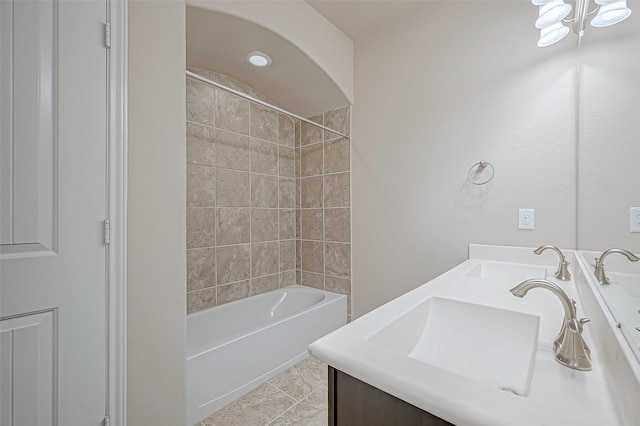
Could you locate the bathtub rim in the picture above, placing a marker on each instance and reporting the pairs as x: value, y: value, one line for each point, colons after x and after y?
x: 191, y: 352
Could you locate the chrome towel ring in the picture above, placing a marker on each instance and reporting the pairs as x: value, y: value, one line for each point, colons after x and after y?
x: 481, y: 165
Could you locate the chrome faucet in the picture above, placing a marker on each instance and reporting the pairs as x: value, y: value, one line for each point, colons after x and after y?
x: 569, y: 346
x: 563, y: 271
x: 599, y: 271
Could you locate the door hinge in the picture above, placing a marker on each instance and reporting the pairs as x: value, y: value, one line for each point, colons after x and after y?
x: 106, y: 228
x: 107, y: 35
x: 107, y: 421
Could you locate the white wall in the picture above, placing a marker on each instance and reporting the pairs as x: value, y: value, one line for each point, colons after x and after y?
x: 156, y: 217
x: 301, y: 25
x: 609, y: 125
x: 457, y: 83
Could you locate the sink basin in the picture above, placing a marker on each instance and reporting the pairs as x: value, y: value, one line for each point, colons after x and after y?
x: 489, y: 345
x: 510, y: 272
x: 629, y: 282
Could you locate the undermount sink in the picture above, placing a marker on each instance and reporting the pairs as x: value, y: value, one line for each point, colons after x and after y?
x: 489, y: 345
x: 512, y: 273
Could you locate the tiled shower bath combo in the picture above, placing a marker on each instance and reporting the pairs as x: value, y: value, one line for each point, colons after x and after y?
x: 268, y: 206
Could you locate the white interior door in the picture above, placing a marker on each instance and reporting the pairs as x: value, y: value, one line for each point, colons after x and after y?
x: 53, y: 105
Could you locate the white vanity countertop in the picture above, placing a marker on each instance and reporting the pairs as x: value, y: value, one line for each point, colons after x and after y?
x: 558, y: 395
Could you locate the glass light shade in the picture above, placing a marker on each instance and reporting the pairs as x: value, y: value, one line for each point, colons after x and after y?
x: 611, y: 13
x: 541, y: 2
x: 552, y: 13
x: 552, y: 34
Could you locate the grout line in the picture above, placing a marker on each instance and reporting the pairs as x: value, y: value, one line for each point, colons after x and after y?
x: 278, y: 198
x: 283, y: 391
x: 239, y: 244
x: 215, y: 198
x: 295, y: 402
x: 324, y: 222
x: 250, y: 211
x: 247, y: 135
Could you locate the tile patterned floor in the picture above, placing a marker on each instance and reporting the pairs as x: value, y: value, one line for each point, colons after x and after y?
x: 297, y: 396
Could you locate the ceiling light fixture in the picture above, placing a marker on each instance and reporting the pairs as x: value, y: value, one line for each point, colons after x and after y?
x: 552, y: 13
x: 258, y: 59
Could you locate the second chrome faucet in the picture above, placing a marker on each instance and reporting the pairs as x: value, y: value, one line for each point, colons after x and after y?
x: 599, y: 266
x: 563, y: 266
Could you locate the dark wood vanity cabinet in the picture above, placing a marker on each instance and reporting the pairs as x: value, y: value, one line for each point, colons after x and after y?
x: 355, y: 403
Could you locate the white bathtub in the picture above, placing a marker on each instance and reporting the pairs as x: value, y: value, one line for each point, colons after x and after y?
x: 233, y: 348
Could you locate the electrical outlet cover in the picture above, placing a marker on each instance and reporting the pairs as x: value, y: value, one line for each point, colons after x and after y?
x: 634, y: 219
x: 525, y: 219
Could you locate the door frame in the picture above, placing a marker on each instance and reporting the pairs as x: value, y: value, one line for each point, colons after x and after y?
x: 117, y: 95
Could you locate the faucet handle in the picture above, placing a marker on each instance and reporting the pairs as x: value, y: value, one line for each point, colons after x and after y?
x: 584, y: 320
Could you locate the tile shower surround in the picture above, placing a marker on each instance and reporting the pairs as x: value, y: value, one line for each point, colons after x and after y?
x: 267, y: 198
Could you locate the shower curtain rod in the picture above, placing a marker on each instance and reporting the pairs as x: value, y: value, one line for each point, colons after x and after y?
x: 259, y: 102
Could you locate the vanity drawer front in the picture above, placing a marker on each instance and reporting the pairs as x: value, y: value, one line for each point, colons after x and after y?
x: 356, y: 403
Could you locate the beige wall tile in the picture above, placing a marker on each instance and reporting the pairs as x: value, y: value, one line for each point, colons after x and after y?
x: 287, y: 161
x: 337, y: 225
x: 336, y: 190
x: 312, y: 224
x: 312, y: 280
x: 311, y: 160
x: 311, y: 192
x: 339, y: 120
x: 309, y: 133
x: 337, y: 259
x: 240, y: 87
x: 201, y: 299
x: 340, y: 286
x: 298, y: 156
x: 264, y: 191
x: 264, y: 225
x: 232, y: 292
x: 298, y: 192
x: 264, y: 157
x: 204, y: 73
x: 232, y: 150
x: 287, y: 222
x: 201, y: 227
x: 287, y: 255
x: 200, y: 144
x: 264, y: 259
x: 312, y: 256
x: 288, y: 278
x: 287, y: 193
x: 336, y: 155
x: 265, y: 284
x: 232, y: 188
x: 263, y: 123
x: 257, y: 162
x: 232, y: 113
x: 233, y: 263
x: 232, y: 226
x: 200, y: 101
x: 286, y: 130
x: 201, y: 268
x: 201, y: 185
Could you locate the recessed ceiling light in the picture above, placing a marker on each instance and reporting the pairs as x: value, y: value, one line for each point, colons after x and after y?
x: 259, y: 59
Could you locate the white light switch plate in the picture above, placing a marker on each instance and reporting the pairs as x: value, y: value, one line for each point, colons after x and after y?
x: 634, y: 219
x: 525, y: 218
